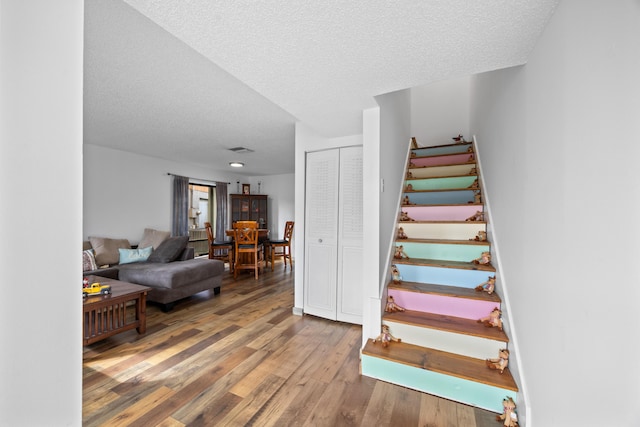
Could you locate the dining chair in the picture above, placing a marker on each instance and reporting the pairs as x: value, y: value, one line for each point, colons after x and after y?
x: 284, y: 244
x: 248, y: 250
x: 222, y: 251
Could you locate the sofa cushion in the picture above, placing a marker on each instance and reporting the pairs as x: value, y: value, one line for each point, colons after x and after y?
x: 107, y: 249
x: 170, y: 275
x: 169, y: 250
x: 153, y: 238
x: 88, y: 260
x: 128, y: 256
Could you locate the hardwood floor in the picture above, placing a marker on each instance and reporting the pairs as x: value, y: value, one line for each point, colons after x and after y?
x: 242, y: 358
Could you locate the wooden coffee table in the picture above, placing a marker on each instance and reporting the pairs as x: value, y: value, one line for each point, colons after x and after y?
x: 107, y: 315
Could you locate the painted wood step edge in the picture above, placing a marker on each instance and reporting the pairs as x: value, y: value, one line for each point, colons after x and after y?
x: 441, y: 177
x: 446, y: 264
x: 444, y: 290
x: 479, y: 205
x: 456, y: 325
x: 471, y: 162
x: 446, y: 241
x: 451, y: 364
x: 431, y: 156
x: 439, y: 190
x: 450, y: 144
x: 443, y: 222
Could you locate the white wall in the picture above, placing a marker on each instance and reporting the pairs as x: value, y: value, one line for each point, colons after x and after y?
x: 558, y: 143
x: 124, y: 193
x: 40, y: 212
x: 440, y: 111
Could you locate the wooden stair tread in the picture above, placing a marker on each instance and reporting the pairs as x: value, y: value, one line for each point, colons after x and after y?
x: 441, y: 221
x: 445, y: 241
x: 441, y: 205
x: 449, y: 144
x: 445, y: 264
x: 440, y: 177
x: 459, y: 366
x: 452, y: 324
x: 445, y: 290
x: 472, y: 162
x: 439, y: 190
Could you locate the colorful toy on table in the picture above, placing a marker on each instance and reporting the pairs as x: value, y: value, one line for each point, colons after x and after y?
x: 493, y: 320
x: 385, y: 337
x: 509, y: 416
x: 392, y: 307
x: 96, y: 288
x: 489, y: 286
x: 501, y: 362
x: 400, y: 253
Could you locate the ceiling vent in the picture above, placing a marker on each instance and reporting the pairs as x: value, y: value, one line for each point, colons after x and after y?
x: 240, y: 150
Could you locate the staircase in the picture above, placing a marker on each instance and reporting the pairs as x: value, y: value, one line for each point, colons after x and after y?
x: 443, y: 348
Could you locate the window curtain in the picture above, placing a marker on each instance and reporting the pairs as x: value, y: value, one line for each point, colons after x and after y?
x: 180, y: 208
x: 221, y: 211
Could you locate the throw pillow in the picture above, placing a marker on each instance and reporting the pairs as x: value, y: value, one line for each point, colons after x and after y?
x: 88, y: 261
x: 106, y: 249
x: 127, y: 256
x: 153, y: 238
x: 169, y: 250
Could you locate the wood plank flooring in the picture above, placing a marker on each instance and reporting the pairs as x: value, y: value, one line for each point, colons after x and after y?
x: 242, y: 358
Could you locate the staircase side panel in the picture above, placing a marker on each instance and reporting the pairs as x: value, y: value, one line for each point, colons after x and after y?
x: 448, y: 387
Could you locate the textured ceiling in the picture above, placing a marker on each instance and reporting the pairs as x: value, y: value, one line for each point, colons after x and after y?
x: 188, y: 80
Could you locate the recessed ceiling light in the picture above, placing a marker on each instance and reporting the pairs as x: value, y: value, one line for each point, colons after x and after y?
x: 236, y: 164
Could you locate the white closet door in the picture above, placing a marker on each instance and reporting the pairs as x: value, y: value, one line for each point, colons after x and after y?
x: 349, y: 291
x: 321, y: 223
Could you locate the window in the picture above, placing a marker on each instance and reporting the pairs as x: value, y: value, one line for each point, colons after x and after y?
x: 202, y: 208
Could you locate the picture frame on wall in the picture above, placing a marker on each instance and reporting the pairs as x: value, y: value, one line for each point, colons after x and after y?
x: 246, y: 189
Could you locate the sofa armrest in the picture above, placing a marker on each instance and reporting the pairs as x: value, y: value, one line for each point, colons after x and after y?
x: 188, y: 253
x: 109, y: 273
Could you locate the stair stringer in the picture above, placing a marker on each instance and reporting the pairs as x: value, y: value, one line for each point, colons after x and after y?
x: 515, y: 361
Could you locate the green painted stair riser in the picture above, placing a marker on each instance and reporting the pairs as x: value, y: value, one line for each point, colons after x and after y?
x: 443, y: 251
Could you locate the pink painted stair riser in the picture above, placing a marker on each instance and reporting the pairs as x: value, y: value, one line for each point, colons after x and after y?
x: 441, y: 213
x: 440, y: 304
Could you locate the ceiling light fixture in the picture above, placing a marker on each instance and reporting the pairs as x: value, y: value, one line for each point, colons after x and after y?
x: 236, y: 164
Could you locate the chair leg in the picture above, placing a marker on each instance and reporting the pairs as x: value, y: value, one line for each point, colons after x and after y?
x: 256, y: 264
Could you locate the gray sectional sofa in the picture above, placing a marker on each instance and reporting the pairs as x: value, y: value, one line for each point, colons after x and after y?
x: 170, y: 270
